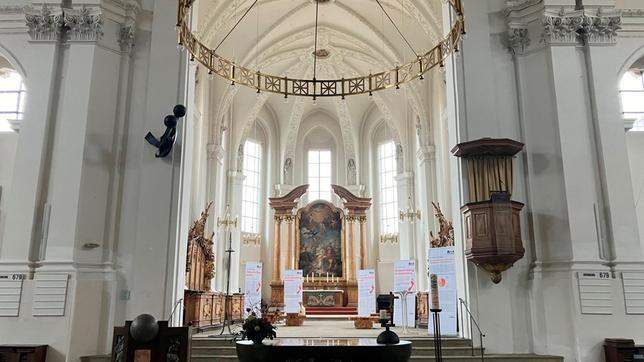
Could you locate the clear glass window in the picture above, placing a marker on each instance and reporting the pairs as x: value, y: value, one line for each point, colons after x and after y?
x: 631, y: 90
x: 388, y: 200
x: 251, y: 189
x: 12, y: 98
x: 319, y: 174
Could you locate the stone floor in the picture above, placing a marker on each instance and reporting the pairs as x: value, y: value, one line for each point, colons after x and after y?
x: 329, y: 328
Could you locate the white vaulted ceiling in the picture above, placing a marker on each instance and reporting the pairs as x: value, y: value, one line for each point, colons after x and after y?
x: 277, y: 37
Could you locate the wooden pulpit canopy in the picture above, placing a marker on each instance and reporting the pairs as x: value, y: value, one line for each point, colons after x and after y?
x: 500, y: 147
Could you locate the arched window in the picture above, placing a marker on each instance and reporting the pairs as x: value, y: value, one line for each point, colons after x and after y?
x: 388, y: 193
x: 320, y: 166
x: 252, y: 169
x: 631, y: 90
x: 12, y: 99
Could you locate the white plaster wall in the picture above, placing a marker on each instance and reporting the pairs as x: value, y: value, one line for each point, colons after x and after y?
x: 635, y: 145
x: 8, y: 146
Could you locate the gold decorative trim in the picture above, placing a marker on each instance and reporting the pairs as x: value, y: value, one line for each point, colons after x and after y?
x: 390, y: 238
x: 251, y: 239
x: 393, y: 78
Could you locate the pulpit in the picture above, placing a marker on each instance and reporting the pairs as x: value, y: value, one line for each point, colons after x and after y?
x: 492, y: 220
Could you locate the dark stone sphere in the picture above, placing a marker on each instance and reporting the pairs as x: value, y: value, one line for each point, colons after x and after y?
x: 170, y: 121
x: 144, y: 328
x: 179, y: 110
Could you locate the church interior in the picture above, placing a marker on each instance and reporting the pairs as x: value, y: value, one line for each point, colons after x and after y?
x: 464, y: 175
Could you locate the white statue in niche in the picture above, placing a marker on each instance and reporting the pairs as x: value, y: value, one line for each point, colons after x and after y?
x: 288, y: 171
x: 399, y: 158
x: 351, y: 172
x: 240, y: 158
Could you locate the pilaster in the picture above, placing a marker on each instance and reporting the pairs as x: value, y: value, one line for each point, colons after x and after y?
x: 236, y: 182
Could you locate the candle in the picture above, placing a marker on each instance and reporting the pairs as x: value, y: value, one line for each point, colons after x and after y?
x: 383, y: 314
x: 434, y: 286
x: 327, y: 277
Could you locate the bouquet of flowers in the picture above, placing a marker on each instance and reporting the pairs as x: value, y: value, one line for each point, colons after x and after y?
x: 257, y: 329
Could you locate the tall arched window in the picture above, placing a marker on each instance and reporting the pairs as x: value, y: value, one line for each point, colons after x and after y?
x: 319, y: 174
x: 388, y: 193
x: 631, y: 90
x: 12, y: 98
x: 252, y: 169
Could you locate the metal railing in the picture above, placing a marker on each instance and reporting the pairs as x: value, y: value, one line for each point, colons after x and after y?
x: 463, y: 306
x: 174, y: 309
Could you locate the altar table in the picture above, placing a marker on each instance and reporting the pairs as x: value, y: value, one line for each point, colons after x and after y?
x: 323, y: 298
x: 321, y: 349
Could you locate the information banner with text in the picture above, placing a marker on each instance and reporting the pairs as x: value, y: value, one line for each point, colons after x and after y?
x: 293, y: 287
x: 366, y: 292
x: 253, y: 289
x: 442, y: 262
x: 405, y: 280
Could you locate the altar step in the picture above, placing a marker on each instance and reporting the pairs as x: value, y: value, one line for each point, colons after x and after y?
x: 331, y: 311
x: 454, y: 350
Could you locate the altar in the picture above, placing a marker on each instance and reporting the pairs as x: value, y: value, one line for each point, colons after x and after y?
x: 327, y: 242
x: 324, y: 298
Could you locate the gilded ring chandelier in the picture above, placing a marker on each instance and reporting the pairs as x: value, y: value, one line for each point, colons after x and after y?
x: 313, y: 87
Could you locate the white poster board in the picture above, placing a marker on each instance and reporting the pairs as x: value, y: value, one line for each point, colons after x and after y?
x: 366, y: 292
x: 405, y: 279
x: 293, y: 286
x: 253, y: 289
x: 442, y: 262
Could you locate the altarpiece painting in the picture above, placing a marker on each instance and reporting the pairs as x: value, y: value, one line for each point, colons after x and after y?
x: 320, y: 246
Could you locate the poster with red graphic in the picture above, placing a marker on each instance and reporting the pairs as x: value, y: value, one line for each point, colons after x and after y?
x: 442, y: 262
x: 293, y: 288
x: 366, y: 292
x: 405, y: 280
x: 253, y: 289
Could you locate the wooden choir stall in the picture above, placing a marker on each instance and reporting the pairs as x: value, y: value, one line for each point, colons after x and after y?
x: 205, y: 308
x: 326, y: 243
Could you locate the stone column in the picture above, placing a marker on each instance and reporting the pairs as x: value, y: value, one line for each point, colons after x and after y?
x: 277, y: 249
x: 236, y: 187
x: 352, y: 256
x: 290, y: 243
x: 363, y: 242
x: 405, y: 184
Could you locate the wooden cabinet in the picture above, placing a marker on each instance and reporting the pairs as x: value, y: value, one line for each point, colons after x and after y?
x: 23, y: 353
x: 203, y: 309
x: 236, y: 307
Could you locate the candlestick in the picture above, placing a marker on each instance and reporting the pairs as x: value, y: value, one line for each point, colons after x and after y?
x: 434, y: 286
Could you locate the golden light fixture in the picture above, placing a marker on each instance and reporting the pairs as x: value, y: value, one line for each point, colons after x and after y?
x: 411, y: 214
x: 313, y: 87
x: 227, y: 221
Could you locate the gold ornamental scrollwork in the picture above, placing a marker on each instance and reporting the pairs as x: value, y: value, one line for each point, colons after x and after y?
x: 364, y: 84
x: 356, y: 219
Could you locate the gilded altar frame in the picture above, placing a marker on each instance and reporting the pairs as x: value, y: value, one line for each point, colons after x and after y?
x: 343, y: 230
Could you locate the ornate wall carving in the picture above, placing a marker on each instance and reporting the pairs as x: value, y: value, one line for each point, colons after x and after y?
x: 73, y: 24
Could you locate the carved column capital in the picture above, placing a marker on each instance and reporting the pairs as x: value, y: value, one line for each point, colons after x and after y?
x: 518, y: 39
x: 77, y: 24
x: 127, y: 34
x: 596, y: 26
x: 44, y: 24
x: 83, y: 24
